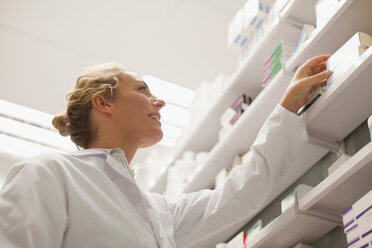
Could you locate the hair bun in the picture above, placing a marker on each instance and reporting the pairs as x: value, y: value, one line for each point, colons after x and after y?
x: 60, y: 122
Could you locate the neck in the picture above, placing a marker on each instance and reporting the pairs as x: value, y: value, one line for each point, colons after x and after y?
x: 129, y: 150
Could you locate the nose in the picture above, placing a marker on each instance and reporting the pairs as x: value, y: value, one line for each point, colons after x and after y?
x: 158, y: 103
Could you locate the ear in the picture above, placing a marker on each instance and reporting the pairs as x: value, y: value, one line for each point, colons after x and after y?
x: 101, y: 104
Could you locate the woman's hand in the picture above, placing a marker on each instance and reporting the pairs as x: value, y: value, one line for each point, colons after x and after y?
x: 308, y: 78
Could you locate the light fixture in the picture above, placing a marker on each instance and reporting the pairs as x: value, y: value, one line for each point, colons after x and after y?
x: 22, y: 148
x: 35, y: 134
x: 26, y: 115
x: 170, y: 92
x: 26, y: 132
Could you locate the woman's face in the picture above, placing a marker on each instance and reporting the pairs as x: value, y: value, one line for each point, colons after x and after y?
x: 136, y: 112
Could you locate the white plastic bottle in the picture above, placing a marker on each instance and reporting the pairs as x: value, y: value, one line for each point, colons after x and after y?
x: 370, y: 126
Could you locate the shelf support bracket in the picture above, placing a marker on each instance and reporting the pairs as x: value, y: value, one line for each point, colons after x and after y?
x: 333, y: 146
x: 317, y: 214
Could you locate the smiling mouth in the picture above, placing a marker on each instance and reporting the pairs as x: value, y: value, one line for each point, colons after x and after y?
x: 155, y: 117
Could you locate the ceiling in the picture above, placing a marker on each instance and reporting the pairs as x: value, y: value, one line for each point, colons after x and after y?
x: 46, y: 44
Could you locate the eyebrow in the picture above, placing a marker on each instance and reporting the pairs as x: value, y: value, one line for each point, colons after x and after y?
x: 144, y: 83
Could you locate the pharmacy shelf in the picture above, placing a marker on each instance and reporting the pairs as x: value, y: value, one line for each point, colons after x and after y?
x: 350, y: 17
x: 331, y: 197
x: 203, y: 134
x: 333, y: 116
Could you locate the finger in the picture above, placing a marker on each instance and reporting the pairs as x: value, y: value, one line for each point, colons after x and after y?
x: 319, y: 68
x: 312, y: 63
x: 317, y: 78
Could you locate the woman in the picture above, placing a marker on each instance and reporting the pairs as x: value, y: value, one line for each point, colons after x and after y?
x: 89, y: 198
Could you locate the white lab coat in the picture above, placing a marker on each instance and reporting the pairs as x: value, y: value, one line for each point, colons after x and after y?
x: 90, y: 199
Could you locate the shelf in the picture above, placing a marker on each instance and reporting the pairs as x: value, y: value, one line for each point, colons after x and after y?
x: 332, y: 196
x: 289, y: 230
x: 333, y: 116
x: 344, y: 187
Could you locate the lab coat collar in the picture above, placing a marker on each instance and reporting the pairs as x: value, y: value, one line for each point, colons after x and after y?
x: 113, y: 163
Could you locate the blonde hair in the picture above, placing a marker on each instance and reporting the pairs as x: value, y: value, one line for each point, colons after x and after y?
x: 102, y: 79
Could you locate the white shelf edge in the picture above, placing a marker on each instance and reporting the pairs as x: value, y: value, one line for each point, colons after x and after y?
x: 352, y: 165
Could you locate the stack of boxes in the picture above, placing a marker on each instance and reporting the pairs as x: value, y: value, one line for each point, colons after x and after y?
x: 232, y: 114
x: 276, y: 60
x: 358, y: 222
x: 246, y: 23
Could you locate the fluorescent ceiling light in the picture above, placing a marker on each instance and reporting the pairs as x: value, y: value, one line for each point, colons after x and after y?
x: 170, y: 92
x: 168, y: 141
x: 171, y: 131
x: 25, y: 114
x: 35, y: 134
x: 175, y: 115
x: 22, y: 148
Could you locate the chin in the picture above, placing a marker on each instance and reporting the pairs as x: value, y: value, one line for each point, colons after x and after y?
x: 155, y: 138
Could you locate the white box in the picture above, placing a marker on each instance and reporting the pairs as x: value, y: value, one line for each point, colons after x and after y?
x: 349, y: 51
x: 238, y: 241
x: 324, y: 9
x: 362, y: 207
x: 221, y: 177
x: 255, y: 229
x: 235, y: 34
x: 361, y: 234
x: 254, y: 14
x: 360, y: 229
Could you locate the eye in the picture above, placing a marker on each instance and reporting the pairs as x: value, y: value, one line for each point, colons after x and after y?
x: 143, y: 89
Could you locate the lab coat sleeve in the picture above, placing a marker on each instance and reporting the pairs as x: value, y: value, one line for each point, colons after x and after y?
x: 199, y: 215
x: 32, y: 207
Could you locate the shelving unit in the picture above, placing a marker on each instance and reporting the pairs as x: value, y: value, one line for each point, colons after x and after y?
x: 331, y: 197
x: 344, y: 106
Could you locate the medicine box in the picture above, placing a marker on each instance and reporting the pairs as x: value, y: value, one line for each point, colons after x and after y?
x: 238, y: 241
x: 360, y: 209
x: 346, y: 56
x: 255, y: 229
x: 361, y: 233
x: 361, y: 229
